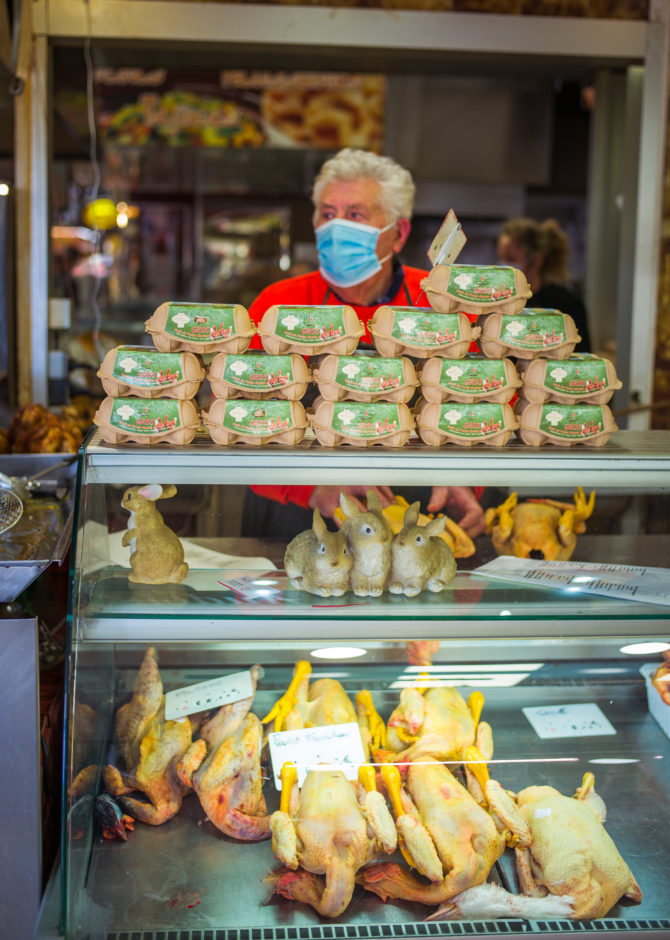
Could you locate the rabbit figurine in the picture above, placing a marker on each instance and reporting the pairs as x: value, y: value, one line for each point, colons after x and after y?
x: 420, y: 558
x: 318, y: 560
x: 156, y: 554
x: 369, y: 536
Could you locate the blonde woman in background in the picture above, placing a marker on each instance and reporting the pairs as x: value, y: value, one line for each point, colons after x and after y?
x: 542, y: 251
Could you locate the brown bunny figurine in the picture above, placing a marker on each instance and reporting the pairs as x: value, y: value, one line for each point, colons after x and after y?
x: 156, y: 554
x: 420, y: 558
x: 369, y: 535
x: 318, y: 560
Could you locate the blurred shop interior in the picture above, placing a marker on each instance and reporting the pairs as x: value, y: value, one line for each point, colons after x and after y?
x: 172, y: 178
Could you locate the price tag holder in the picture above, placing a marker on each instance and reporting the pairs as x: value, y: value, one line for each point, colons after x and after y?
x: 337, y: 746
x: 447, y: 244
x: 210, y: 694
x: 568, y: 721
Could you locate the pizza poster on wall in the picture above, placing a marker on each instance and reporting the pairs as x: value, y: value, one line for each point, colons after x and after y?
x: 237, y: 108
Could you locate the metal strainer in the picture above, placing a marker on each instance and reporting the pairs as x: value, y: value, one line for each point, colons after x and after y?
x: 11, y: 507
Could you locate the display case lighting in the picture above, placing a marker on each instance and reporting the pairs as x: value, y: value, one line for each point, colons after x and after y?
x: 338, y: 652
x: 645, y: 649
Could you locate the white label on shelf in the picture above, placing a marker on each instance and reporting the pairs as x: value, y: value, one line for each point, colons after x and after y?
x: 338, y: 746
x: 210, y: 694
x: 447, y: 244
x: 568, y: 721
x: 630, y: 582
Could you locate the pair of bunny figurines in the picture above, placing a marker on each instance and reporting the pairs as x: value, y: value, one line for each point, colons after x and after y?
x: 366, y: 557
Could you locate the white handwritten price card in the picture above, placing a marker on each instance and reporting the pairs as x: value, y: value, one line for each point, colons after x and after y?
x: 338, y: 746
x: 210, y: 694
x: 568, y: 721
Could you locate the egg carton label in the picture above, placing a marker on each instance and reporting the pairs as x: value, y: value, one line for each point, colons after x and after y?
x: 256, y: 373
x: 140, y: 367
x: 533, y: 329
x: 576, y: 375
x: 470, y: 421
x: 474, y: 376
x: 425, y: 328
x: 572, y: 422
x: 309, y: 325
x: 483, y: 284
x: 145, y: 416
x: 357, y: 419
x: 260, y: 419
x: 368, y: 374
x: 201, y: 323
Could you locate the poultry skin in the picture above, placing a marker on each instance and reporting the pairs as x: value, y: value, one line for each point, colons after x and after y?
x: 332, y: 832
x: 539, y: 528
x: 223, y: 766
x: 571, y: 853
x: 463, y: 835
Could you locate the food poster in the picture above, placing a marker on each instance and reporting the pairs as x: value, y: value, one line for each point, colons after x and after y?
x: 237, y: 108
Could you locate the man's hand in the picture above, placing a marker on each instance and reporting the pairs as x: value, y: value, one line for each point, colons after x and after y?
x: 327, y: 498
x: 460, y: 504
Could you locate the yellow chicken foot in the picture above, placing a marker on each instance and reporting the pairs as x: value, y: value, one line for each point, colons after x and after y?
x: 284, y: 705
x: 370, y: 719
x: 414, y: 841
x: 284, y: 839
x: 499, y: 803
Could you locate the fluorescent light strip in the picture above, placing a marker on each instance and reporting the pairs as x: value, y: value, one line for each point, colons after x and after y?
x: 500, y: 681
x: 477, y: 667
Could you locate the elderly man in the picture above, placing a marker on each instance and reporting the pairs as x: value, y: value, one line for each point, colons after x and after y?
x: 362, y: 210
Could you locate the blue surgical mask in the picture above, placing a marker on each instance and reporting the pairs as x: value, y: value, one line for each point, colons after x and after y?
x: 348, y: 251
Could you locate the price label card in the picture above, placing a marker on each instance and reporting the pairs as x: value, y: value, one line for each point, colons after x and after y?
x: 250, y: 587
x: 447, y: 244
x: 338, y: 746
x: 568, y: 721
x: 210, y: 694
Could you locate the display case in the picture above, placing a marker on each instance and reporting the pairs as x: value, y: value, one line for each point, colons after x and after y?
x: 563, y: 690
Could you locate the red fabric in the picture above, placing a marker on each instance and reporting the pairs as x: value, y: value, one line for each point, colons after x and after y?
x: 311, y: 288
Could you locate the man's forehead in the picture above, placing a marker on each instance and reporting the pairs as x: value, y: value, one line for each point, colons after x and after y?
x: 364, y: 193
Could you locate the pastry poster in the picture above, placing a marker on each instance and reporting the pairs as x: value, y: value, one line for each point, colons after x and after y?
x: 236, y: 108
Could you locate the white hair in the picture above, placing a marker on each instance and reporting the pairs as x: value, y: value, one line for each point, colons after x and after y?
x: 397, y: 186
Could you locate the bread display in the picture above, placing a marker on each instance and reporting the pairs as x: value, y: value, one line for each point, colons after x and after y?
x: 200, y: 328
x: 147, y: 421
x: 365, y: 378
x: 310, y: 330
x: 581, y: 377
x: 554, y: 423
x: 529, y: 334
x: 146, y: 373
x: 258, y: 375
x: 440, y: 423
x: 249, y: 421
x: 469, y: 380
x: 361, y: 423
x: 476, y: 288
x: 421, y: 332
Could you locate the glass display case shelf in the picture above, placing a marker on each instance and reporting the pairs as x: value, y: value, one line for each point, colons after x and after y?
x: 634, y: 459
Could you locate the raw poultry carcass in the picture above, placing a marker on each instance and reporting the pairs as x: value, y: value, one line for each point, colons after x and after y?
x: 325, y: 834
x: 436, y: 723
x: 464, y: 841
x: 539, y: 528
x: 223, y: 766
x: 324, y: 702
x: 150, y: 747
x: 571, y: 852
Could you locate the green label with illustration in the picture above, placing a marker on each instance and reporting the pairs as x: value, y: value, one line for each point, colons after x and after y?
x: 256, y: 372
x: 369, y: 374
x: 356, y: 419
x: 533, y: 328
x: 423, y: 327
x: 257, y: 418
x: 576, y: 375
x: 142, y: 416
x: 140, y: 367
x: 481, y: 283
x: 572, y: 422
x: 201, y: 323
x: 310, y: 324
x: 473, y: 376
x: 468, y: 421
